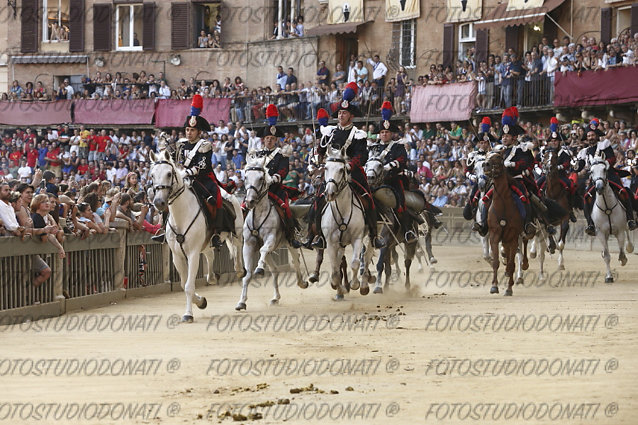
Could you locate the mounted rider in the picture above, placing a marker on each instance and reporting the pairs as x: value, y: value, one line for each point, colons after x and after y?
x: 393, y: 156
x: 483, y: 146
x: 602, y: 148
x: 518, y: 159
x: 346, y: 136
x: 555, y: 143
x: 278, y: 164
x: 194, y: 154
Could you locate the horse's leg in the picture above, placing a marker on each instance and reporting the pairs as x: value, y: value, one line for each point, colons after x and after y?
x: 211, y: 277
x: 410, y: 249
x: 420, y: 253
x: 314, y: 276
x: 428, y: 247
x: 620, y: 237
x: 541, y: 257
x: 275, y: 279
x: 294, y: 254
x: 564, y: 228
x: 630, y: 245
x: 268, y: 246
x: 495, y: 263
x: 249, y: 262
x: 518, y: 256
x: 189, y: 287
x: 525, y: 263
x: 367, y: 259
x: 383, y: 253
x: 509, y: 269
x: 394, y: 255
x: 335, y: 273
x: 357, y: 247
x: 532, y: 248
x: 486, y: 249
x: 603, y: 236
x: 344, y: 273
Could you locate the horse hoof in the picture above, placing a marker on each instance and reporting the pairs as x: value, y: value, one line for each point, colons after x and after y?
x: 561, y: 267
x: 274, y: 301
x: 365, y: 290
x: 519, y: 281
x: 552, y: 251
x: 541, y: 277
x: 302, y: 284
x: 378, y: 290
x: 609, y: 279
x: 494, y: 290
x: 259, y: 272
x: 187, y: 318
x: 313, y: 278
x: 488, y: 260
x: 532, y: 254
x: 371, y: 279
x: 509, y: 293
x: 355, y: 285
x: 333, y: 286
x: 630, y: 248
x: 339, y: 297
x: 623, y: 260
x: 240, y: 306
x: 202, y: 305
x: 242, y: 274
x: 433, y: 260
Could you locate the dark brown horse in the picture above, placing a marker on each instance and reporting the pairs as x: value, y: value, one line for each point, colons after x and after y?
x: 554, y: 190
x: 503, y: 219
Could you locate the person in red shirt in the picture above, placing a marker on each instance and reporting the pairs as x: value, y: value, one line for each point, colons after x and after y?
x: 102, y: 141
x: 54, y: 160
x: 92, y: 139
x: 14, y: 158
x: 32, y: 155
x: 83, y: 167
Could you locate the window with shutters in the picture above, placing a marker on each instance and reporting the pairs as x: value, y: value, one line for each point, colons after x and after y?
x: 129, y: 27
x: 55, y: 21
x: 623, y: 19
x: 407, y: 43
x: 467, y: 40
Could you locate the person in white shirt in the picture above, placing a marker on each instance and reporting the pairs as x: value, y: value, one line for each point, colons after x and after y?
x: 379, y: 70
x: 254, y: 142
x: 69, y: 90
x: 164, y: 91
x: 24, y: 172
x: 221, y: 129
x: 361, y: 72
x: 7, y: 213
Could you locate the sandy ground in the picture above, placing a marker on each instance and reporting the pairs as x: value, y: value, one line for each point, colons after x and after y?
x: 563, y: 351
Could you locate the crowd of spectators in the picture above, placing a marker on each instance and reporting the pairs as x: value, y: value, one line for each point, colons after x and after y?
x: 81, y: 181
x: 502, y: 80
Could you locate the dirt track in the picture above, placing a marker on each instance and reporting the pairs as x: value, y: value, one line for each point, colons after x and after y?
x: 570, y: 347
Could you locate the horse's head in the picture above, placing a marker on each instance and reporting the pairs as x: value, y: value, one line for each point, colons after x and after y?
x: 482, y: 179
x: 256, y: 180
x: 166, y: 179
x: 598, y: 173
x: 493, y: 165
x: 374, y: 170
x: 336, y: 173
x: 550, y: 161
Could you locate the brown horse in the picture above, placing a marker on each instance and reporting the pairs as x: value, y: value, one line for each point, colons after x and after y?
x: 503, y: 219
x: 555, y: 191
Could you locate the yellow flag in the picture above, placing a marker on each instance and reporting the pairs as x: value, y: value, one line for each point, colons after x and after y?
x: 401, y: 10
x: 345, y: 11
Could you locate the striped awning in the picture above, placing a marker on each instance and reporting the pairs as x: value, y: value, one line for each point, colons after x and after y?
x: 52, y: 58
x: 334, y: 29
x: 501, y: 17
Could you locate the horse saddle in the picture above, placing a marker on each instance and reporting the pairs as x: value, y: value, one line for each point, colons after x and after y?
x: 299, y: 210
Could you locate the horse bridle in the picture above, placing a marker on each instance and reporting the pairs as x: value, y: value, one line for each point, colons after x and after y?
x: 344, y: 182
x: 260, y: 190
x: 172, y: 195
x: 376, y: 175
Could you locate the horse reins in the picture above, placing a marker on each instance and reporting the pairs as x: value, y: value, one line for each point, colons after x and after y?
x: 343, y: 226
x: 172, y: 196
x: 260, y: 195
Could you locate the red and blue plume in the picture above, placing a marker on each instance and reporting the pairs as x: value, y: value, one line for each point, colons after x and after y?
x: 553, y: 125
x: 322, y: 116
x: 514, y: 110
x: 386, y: 111
x: 271, y: 114
x: 595, y: 122
x: 509, y: 117
x: 197, y: 105
x: 351, y: 91
x: 486, y: 124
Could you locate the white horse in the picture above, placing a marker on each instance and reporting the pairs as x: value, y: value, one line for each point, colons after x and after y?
x: 483, y: 184
x: 343, y: 223
x: 186, y: 231
x: 608, y: 215
x: 263, y: 231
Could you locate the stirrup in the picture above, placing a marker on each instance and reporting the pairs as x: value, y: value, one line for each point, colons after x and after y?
x: 319, y: 242
x: 410, y: 236
x: 294, y: 243
x: 551, y: 230
x: 436, y: 223
x: 632, y: 225
x: 476, y: 227
x: 590, y: 230
x: 159, y: 238
x: 378, y: 242
x: 572, y: 217
x: 530, y: 230
x: 216, y: 241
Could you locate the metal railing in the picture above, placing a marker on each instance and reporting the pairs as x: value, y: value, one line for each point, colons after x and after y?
x: 535, y: 91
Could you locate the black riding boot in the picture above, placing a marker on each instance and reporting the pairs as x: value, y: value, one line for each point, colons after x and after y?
x: 528, y: 226
x: 218, y: 224
x: 629, y: 210
x: 571, y: 200
x: 161, y: 238
x: 291, y: 226
x: 319, y: 241
x: 588, y: 206
x: 407, y: 227
x: 371, y: 221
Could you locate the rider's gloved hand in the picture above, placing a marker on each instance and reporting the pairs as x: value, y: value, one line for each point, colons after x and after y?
x: 387, y: 167
x: 509, y: 164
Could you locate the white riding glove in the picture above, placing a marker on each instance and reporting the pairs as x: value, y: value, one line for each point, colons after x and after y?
x: 387, y: 167
x: 509, y: 164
